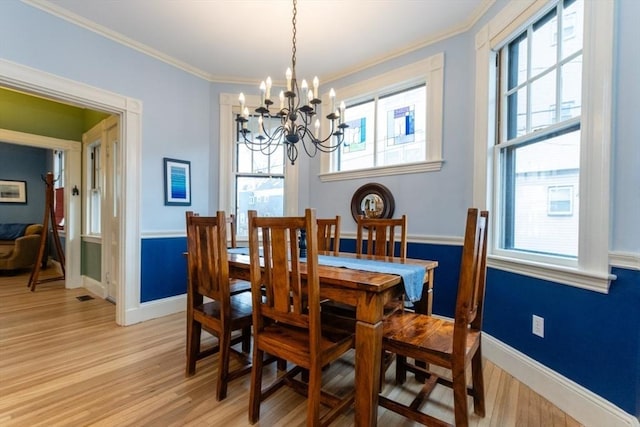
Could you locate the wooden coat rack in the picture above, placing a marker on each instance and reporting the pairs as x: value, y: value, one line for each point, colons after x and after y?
x: 49, y: 217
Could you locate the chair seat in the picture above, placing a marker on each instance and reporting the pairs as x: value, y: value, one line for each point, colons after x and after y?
x: 418, y: 335
x: 240, y: 307
x: 293, y: 343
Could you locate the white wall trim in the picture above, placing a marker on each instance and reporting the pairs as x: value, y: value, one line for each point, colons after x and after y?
x: 580, y: 403
x: 415, y: 238
x: 158, y: 308
x: 163, y: 234
x: 625, y: 260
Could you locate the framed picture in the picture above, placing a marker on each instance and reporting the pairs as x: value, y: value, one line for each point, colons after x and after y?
x: 13, y: 191
x: 177, y: 182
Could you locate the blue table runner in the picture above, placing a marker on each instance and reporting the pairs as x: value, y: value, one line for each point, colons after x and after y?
x: 412, y: 275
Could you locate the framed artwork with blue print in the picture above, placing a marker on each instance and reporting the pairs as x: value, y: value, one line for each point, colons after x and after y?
x: 177, y: 182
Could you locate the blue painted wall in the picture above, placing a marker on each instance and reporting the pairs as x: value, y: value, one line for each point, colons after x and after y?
x: 28, y: 164
x: 164, y: 268
x: 590, y: 338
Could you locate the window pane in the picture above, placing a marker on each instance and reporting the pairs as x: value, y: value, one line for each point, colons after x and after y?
x: 572, y: 88
x: 517, y: 61
x: 517, y: 114
x: 543, y: 43
x: 537, y: 167
x: 94, y: 212
x: 401, y: 127
x: 266, y: 195
x: 571, y: 27
x: 543, y: 101
x: 357, y: 149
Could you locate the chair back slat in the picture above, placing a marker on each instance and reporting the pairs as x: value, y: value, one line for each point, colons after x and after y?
x: 472, y: 277
x: 277, y: 288
x: 207, y: 256
x: 381, y: 236
x: 329, y: 235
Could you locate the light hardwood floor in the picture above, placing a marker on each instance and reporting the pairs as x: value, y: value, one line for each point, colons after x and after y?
x: 64, y: 362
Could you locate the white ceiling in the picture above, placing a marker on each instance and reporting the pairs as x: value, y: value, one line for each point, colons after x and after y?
x: 246, y: 40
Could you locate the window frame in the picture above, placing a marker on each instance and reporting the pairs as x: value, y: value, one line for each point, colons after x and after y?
x: 429, y: 71
x: 591, y: 270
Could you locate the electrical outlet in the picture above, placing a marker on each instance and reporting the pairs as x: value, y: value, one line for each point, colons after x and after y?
x: 538, y: 326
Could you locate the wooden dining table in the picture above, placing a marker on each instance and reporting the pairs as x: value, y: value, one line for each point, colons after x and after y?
x: 367, y: 292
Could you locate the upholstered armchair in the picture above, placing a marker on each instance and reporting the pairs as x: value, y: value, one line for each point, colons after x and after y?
x: 21, y: 252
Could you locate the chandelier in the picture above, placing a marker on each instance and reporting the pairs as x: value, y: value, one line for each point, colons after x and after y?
x: 297, y: 113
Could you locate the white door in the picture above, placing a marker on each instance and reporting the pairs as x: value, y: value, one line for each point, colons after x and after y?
x: 102, y: 177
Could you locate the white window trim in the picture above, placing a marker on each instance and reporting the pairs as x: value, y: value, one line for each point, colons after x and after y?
x: 429, y: 70
x: 226, y: 197
x: 592, y: 269
x: 91, y: 139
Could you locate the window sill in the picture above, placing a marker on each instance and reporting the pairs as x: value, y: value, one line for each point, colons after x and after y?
x: 429, y: 166
x: 590, y: 280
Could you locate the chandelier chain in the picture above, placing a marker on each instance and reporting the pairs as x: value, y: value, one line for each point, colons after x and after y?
x: 293, y: 39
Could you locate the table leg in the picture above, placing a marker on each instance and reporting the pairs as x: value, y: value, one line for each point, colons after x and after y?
x: 368, y: 355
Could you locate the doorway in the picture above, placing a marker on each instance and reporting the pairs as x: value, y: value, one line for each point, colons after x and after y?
x: 128, y: 111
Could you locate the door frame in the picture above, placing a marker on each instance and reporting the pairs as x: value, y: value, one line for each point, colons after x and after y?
x: 129, y: 110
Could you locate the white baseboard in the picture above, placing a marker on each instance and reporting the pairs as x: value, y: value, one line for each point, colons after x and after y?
x: 583, y: 405
x: 158, y: 308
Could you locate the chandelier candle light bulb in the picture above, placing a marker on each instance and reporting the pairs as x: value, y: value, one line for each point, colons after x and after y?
x: 305, y: 88
x: 288, y: 75
x: 263, y: 91
x: 269, y: 83
x: 316, y: 85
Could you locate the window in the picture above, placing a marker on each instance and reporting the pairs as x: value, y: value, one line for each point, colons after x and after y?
x: 95, y: 189
x: 536, y: 149
x: 259, y: 178
x: 395, y: 124
x: 93, y: 182
x: 387, y: 130
x: 543, y: 142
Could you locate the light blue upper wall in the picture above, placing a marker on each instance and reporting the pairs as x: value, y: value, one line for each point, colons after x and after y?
x: 626, y: 151
x: 176, y: 105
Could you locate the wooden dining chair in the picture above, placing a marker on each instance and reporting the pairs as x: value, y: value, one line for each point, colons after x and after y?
x: 453, y: 345
x: 377, y: 236
x: 286, y: 314
x: 208, y: 269
x: 329, y: 235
